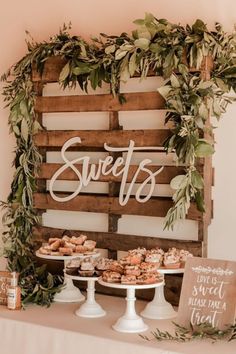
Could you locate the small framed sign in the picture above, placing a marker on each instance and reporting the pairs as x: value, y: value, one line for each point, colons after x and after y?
x: 5, y: 281
x: 208, y: 293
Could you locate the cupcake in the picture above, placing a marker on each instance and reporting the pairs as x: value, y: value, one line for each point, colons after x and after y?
x: 172, y: 259
x: 154, y: 256
x: 102, y: 265
x: 86, y: 268
x: 184, y: 255
x: 73, y: 266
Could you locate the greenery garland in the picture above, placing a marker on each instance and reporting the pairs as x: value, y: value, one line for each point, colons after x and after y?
x: 201, y: 331
x: 168, y: 50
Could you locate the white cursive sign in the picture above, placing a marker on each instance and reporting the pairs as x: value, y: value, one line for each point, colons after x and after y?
x: 104, y: 168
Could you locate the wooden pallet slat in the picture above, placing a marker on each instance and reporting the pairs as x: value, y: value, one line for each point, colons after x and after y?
x: 96, y: 138
x: 100, y: 103
x: 119, y: 241
x: 47, y: 170
x: 157, y: 206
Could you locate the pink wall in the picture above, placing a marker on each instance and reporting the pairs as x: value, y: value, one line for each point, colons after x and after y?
x: 43, y: 19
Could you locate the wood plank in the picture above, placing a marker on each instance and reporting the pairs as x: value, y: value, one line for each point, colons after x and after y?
x: 114, y: 187
x: 54, y: 65
x: 157, y: 206
x: 47, y: 170
x: 99, y: 103
x: 97, y: 138
x: 119, y: 242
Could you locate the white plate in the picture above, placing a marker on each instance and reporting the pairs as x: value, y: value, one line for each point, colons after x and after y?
x: 126, y: 286
x: 63, y: 258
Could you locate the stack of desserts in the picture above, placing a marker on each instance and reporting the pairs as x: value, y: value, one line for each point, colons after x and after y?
x: 88, y: 267
x: 68, y: 246
x: 133, y: 269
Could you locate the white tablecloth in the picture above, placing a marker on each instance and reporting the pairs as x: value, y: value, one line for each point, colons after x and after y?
x: 56, y: 330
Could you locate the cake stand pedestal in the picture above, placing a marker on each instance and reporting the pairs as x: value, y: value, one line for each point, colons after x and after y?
x: 69, y: 293
x: 90, y: 308
x: 159, y: 308
x: 130, y: 322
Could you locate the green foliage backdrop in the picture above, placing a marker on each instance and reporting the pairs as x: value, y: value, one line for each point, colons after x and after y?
x: 168, y: 50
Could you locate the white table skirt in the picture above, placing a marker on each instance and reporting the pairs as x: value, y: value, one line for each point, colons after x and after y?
x: 56, y: 330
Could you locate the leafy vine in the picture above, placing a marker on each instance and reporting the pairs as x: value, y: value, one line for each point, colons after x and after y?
x: 156, y: 45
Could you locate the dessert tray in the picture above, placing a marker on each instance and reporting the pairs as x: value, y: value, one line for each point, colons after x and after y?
x: 69, y: 293
x: 89, y: 309
x: 130, y: 322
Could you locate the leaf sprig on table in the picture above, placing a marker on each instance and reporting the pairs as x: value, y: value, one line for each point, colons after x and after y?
x: 201, y: 331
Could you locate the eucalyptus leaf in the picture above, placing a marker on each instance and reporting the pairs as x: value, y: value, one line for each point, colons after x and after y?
x: 142, y: 43
x: 24, y: 130
x: 204, y: 149
x: 64, y: 72
x: 178, y: 181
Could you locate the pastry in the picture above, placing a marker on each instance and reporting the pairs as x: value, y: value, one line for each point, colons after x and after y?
x: 184, y: 255
x: 53, y: 239
x: 102, y: 265
x: 128, y: 279
x: 111, y: 277
x: 65, y: 251
x: 80, y: 249
x: 90, y: 245
x: 147, y: 278
x: 172, y: 259
x: 44, y: 251
x: 134, y: 258
x: 86, y: 268
x: 115, y: 266
x: 154, y: 256
x: 148, y: 267
x: 70, y: 245
x: 66, y: 238
x: 132, y: 270
x: 78, y: 240
x: 140, y: 251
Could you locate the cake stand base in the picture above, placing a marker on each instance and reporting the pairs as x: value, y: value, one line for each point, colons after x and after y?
x: 130, y: 325
x: 69, y: 293
x: 90, y: 309
x: 159, y: 308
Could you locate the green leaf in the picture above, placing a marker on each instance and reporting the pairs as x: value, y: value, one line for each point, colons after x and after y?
x: 144, y: 33
x: 142, y: 43
x: 24, y: 130
x: 82, y: 68
x: 197, y: 180
x: 204, y: 149
x: 164, y: 90
x: 120, y: 54
x: 205, y: 85
x: 203, y: 111
x: 65, y: 72
x: 200, y: 201
x: 110, y: 49
x: 178, y: 181
x: 199, y: 26
x: 174, y: 81
x: 132, y: 64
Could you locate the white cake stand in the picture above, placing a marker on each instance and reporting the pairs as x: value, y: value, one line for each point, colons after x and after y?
x: 130, y: 322
x: 90, y: 308
x: 159, y: 308
x: 69, y: 293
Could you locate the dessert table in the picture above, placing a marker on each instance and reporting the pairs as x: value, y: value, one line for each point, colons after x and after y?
x: 57, y: 330
x: 69, y: 293
x: 159, y: 308
x: 130, y: 322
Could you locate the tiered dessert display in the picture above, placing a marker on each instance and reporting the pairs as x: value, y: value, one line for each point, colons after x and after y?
x: 66, y: 249
x: 131, y: 273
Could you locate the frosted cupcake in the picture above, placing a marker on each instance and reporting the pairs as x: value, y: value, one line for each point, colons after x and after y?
x: 172, y: 259
x: 86, y: 268
x: 154, y: 256
x: 184, y: 255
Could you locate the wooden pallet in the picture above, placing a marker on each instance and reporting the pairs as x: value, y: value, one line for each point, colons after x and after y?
x: 93, y: 141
